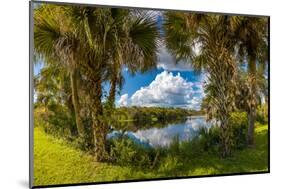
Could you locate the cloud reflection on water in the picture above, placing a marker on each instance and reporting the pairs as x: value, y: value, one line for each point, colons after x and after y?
x: 161, y: 137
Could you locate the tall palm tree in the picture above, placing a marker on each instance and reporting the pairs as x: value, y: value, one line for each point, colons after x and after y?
x: 251, y: 37
x: 184, y: 32
x: 54, y: 40
x: 105, y: 35
x: 65, y: 33
x: 89, y: 41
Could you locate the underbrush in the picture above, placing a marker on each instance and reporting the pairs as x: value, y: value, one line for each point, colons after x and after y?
x: 58, y: 122
x: 124, y: 151
x: 262, y: 114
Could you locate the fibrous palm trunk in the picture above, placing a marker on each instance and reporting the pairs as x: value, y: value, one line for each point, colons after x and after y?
x: 99, y: 127
x: 251, y: 128
x: 75, y: 101
x: 252, y: 102
x: 73, y: 128
x: 225, y: 138
x: 222, y: 72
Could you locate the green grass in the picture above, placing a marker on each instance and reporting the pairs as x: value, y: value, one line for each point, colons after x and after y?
x: 56, y: 162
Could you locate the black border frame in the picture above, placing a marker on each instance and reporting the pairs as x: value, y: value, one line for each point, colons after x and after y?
x: 31, y: 125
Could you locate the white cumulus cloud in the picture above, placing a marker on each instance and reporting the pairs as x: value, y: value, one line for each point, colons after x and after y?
x: 124, y: 100
x: 169, y: 91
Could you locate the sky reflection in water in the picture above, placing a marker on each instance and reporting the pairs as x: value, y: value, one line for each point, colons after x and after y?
x: 161, y: 137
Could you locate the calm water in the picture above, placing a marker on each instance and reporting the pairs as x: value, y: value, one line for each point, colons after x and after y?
x: 161, y: 137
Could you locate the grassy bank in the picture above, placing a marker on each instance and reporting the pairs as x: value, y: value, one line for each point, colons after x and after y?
x: 56, y: 162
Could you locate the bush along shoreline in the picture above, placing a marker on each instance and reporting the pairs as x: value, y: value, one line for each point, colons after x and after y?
x: 124, y: 151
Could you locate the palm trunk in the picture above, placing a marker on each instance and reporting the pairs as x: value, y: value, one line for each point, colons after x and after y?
x: 99, y: 127
x: 251, y: 128
x: 222, y: 73
x: 76, y: 104
x: 72, y: 128
x: 252, y: 109
x: 224, y: 115
x: 225, y: 140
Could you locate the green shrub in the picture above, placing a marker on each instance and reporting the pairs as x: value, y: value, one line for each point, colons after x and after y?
x: 190, y: 149
x: 39, y: 120
x: 56, y: 120
x: 239, y: 125
x: 262, y: 114
x: 209, y: 138
x: 126, y: 152
x: 85, y: 143
x: 174, y: 147
x: 171, y: 162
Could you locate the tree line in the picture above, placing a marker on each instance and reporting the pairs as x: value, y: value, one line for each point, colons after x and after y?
x: 160, y: 113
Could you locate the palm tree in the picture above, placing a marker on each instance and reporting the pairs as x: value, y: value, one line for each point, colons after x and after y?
x: 90, y: 41
x: 65, y: 33
x: 252, y: 42
x: 94, y: 39
x: 134, y: 45
x: 54, y: 40
x: 184, y: 33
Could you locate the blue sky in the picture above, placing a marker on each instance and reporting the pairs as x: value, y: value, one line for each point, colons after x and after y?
x: 164, y: 86
x: 133, y: 83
